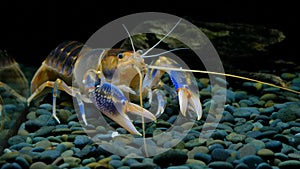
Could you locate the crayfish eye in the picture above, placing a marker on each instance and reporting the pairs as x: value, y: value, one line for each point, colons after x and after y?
x: 140, y: 51
x: 120, y: 55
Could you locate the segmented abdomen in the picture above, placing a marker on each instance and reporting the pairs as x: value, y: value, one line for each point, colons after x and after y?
x: 12, y: 75
x: 63, y: 57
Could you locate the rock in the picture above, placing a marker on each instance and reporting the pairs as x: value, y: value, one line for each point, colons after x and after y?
x: 289, y: 164
x: 16, y: 140
x: 11, y: 166
x: 44, y: 131
x: 43, y: 144
x: 268, y: 96
x: 20, y: 146
x: 38, y: 165
x: 227, y: 117
x: 81, y: 140
x: 88, y: 160
x: 220, y: 165
x: 72, y: 161
x: 206, y: 158
x: 295, y: 130
x: 240, y: 113
x: 288, y: 113
x: 22, y: 162
x: 275, y: 146
x: 235, y: 138
x: 288, y: 76
x: 294, y: 156
x: 116, y: 163
x: 49, y: 156
x: 266, y: 134
x: 265, y: 153
x: 143, y: 166
x: 194, y: 143
x: 67, y: 153
x: 247, y: 150
x: 264, y: 166
x: 243, y: 128
x: 200, y: 149
x: 251, y: 161
x: 174, y: 157
x: 219, y: 154
x: 241, y: 166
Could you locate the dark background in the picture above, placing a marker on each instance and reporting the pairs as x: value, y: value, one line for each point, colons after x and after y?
x: 30, y: 30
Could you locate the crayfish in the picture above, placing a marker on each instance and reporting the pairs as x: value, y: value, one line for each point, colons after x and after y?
x: 107, y: 77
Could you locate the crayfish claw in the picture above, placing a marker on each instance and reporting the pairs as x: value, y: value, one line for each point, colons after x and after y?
x: 124, y: 121
x: 183, y: 100
x: 189, y: 100
x: 135, y: 109
x: 196, y: 104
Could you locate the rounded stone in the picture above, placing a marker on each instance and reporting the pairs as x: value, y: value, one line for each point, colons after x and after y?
x: 247, y: 150
x: 81, y: 140
x: 252, y: 161
x: 268, y: 96
x: 235, y: 138
x: 16, y: 140
x: 72, y: 161
x: 295, y: 156
x: 289, y: 164
x: 116, y: 163
x: 275, y: 146
x: 219, y: 154
x: 220, y: 165
x: 264, y: 166
x: 38, y: 165
x: 22, y: 162
x: 206, y: 158
x: 265, y: 153
x: 49, y: 155
x: 241, y: 166
x: 174, y: 157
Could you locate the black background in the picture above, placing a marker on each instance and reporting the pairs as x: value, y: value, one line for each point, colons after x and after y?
x: 30, y: 30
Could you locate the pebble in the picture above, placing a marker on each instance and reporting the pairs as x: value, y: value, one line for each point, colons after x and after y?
x: 235, y: 138
x: 206, y: 158
x: 219, y: 154
x: 289, y: 164
x: 174, y: 157
x: 143, y: 166
x: 274, y: 145
x: 247, y: 150
x: 220, y: 165
x: 72, y: 161
x: 264, y: 166
x: 265, y: 153
x: 81, y: 140
x: 251, y: 161
x: 22, y: 162
x: 38, y: 165
x: 49, y: 156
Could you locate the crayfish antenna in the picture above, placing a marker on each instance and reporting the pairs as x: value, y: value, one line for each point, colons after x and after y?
x: 222, y: 74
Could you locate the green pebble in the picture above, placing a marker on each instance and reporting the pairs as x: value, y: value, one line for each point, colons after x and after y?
x: 288, y: 76
x: 268, y: 96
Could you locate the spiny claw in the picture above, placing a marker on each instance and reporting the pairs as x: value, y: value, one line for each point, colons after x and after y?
x: 189, y: 100
x: 123, y: 120
x: 183, y: 100
x: 196, y: 104
x: 135, y: 109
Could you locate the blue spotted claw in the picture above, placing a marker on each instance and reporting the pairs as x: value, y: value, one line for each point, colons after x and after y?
x: 110, y: 101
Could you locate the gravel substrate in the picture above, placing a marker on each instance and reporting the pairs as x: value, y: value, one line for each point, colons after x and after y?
x: 259, y: 129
